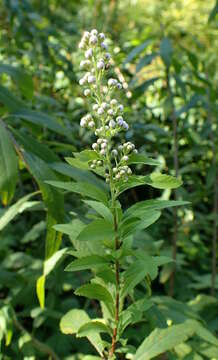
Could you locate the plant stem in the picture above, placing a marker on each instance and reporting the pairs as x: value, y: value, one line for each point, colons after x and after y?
x: 176, y: 168
x: 117, y: 271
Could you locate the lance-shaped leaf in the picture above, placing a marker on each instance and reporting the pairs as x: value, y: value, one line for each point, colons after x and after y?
x: 97, y: 230
x: 101, y: 209
x: 8, y: 166
x: 98, y: 292
x: 83, y: 188
x: 21, y: 77
x: 142, y: 207
x: 88, y: 262
x: 156, y: 180
x: 162, y: 340
x: 142, y: 159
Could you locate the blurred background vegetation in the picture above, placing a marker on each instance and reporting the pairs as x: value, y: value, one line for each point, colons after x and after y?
x: 166, y: 57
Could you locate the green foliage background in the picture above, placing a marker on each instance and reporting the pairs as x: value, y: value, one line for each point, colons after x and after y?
x: 166, y: 52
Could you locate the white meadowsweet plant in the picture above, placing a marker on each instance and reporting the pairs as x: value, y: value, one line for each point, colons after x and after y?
x: 104, y: 243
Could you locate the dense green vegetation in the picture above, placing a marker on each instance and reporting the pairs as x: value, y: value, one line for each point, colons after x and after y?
x: 164, y: 54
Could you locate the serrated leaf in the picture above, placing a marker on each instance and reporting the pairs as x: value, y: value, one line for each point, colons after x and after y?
x: 8, y: 166
x: 85, y: 263
x: 162, y: 340
x: 82, y: 188
x: 73, y: 320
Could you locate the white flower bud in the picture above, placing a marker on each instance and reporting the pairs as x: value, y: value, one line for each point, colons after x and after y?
x: 94, y: 32
x: 129, y: 147
x: 99, y: 141
x: 95, y: 107
x: 120, y: 147
x: 107, y: 180
x: 88, y: 53
x: 91, y: 124
x: 114, y: 152
x: 103, y: 145
x: 125, y: 158
x: 82, y: 81
x: 87, y: 92
x: 113, y: 102
x: 119, y: 86
x: 86, y: 35
x: 82, y: 45
x: 110, y: 112
x: 112, y: 124
x: 103, y: 152
x: 82, y: 64
x: 106, y: 127
x: 129, y: 171
x: 125, y: 125
x: 117, y: 176
x: 112, y: 82
x: 121, y: 107
x: 100, y: 65
x: 92, y: 166
x: 115, y: 170
x: 95, y: 146
x: 135, y: 151
x: 93, y: 40
x: 101, y: 36
x: 88, y: 117
x: 99, y: 162
x: 105, y: 89
x: 97, y: 132
x: 83, y: 122
x: 104, y: 46
x: 91, y: 79
x: 122, y: 172
x: 104, y: 105
x: 100, y: 111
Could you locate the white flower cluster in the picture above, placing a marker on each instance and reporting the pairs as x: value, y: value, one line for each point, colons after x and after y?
x: 106, y: 117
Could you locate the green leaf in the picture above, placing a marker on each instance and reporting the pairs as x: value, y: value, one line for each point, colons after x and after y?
x: 50, y: 263
x: 166, y: 51
x: 82, y: 188
x: 142, y: 207
x: 146, y: 60
x: 92, y: 327
x: 97, y: 230
x: 136, y: 272
x: 133, y: 225
x: 137, y: 50
x: 156, y: 180
x: 141, y: 89
x: 22, y: 79
x: 73, y: 320
x: 40, y: 290
x: 162, y: 340
x: 17, y: 208
x: 213, y: 12
x: 101, y: 209
x: 41, y: 119
x: 142, y: 159
x: 41, y: 172
x: 98, y: 292
x: 8, y: 166
x: 11, y: 102
x: 88, y: 262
